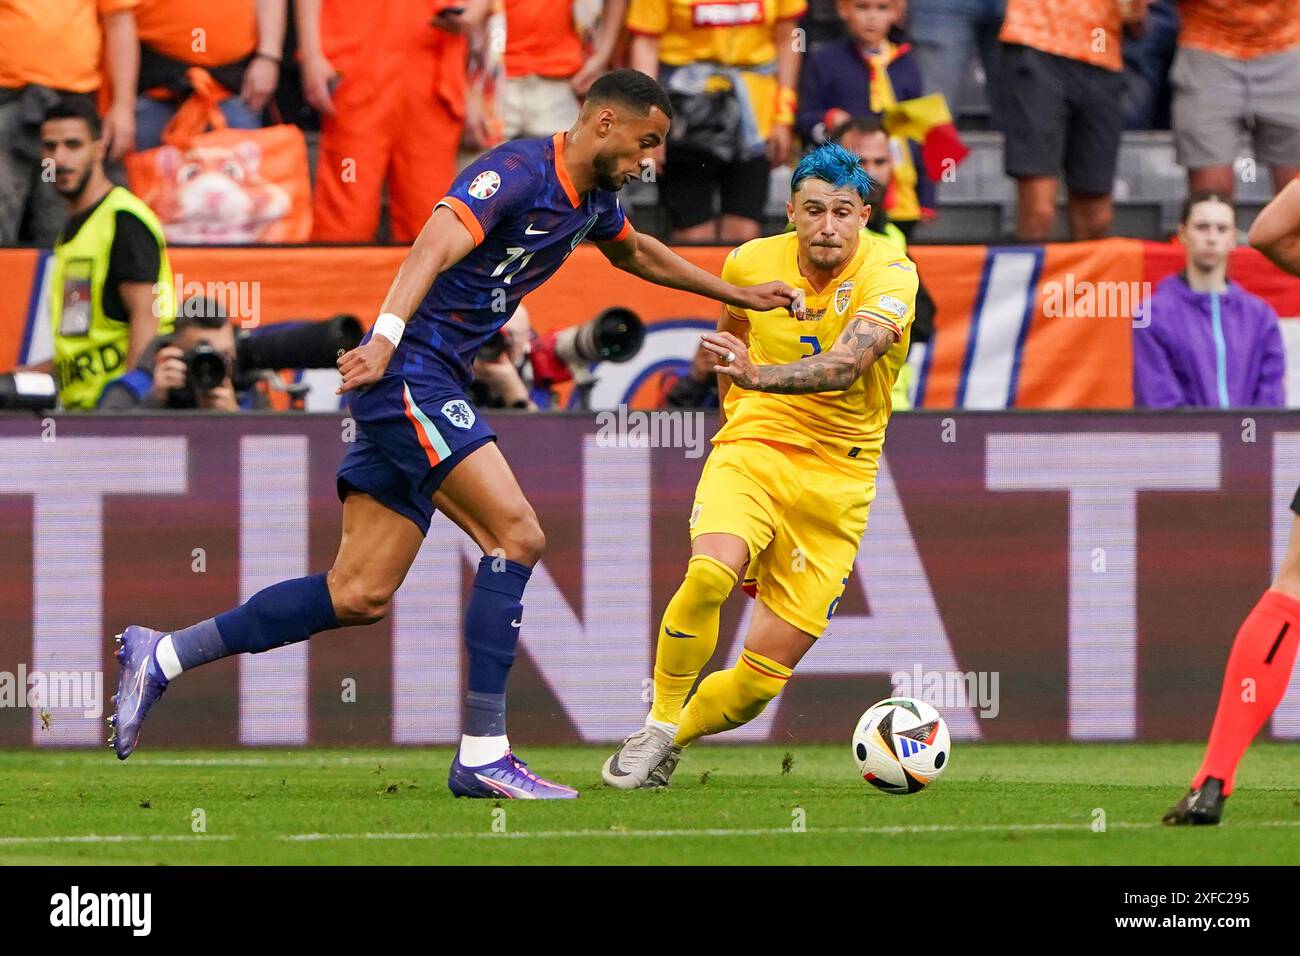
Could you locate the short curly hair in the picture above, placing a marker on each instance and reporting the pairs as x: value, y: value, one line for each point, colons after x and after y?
x: 630, y: 88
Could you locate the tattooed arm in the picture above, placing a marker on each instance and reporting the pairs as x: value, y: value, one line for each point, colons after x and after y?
x: 831, y: 371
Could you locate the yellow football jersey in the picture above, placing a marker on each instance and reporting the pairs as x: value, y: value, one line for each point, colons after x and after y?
x: 879, y: 285
x: 736, y: 33
x: 732, y: 32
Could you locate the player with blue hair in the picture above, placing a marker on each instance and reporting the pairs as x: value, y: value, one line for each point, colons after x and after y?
x: 784, y: 496
x: 835, y: 165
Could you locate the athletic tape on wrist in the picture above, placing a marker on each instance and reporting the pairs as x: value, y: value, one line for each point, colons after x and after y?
x: 390, y: 327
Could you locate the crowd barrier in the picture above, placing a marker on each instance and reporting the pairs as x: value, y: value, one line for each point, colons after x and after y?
x: 1017, y: 326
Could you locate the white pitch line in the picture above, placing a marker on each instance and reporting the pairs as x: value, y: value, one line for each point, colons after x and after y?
x: 115, y: 838
x: 715, y: 832
x: 1081, y: 827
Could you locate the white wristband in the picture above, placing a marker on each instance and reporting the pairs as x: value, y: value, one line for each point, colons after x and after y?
x: 390, y: 327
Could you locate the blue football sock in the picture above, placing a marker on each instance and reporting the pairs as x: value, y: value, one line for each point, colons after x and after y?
x: 283, y: 613
x: 485, y: 715
x: 491, y: 632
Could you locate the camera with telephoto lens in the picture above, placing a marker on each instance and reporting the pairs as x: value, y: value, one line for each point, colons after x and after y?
x: 261, y: 352
x: 32, y: 391
x: 300, y: 343
x: 205, y: 368
x: 615, y: 335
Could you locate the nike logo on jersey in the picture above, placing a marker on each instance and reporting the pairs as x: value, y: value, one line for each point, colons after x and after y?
x: 530, y: 231
x: 515, y: 623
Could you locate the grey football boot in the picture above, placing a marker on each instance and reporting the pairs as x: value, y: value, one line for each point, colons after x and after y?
x: 660, y: 775
x: 636, y: 758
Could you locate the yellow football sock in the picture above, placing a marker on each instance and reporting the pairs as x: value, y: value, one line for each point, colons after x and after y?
x: 688, y: 634
x: 728, y: 699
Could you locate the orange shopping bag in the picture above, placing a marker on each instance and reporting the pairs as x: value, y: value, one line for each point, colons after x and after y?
x: 209, y: 184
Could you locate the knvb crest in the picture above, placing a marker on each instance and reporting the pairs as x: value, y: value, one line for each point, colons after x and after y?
x: 459, y: 413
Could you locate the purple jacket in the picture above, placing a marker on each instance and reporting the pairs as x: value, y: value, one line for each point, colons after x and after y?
x: 1186, y: 357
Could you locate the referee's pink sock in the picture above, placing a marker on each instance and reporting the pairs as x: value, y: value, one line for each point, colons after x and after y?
x: 1259, y: 669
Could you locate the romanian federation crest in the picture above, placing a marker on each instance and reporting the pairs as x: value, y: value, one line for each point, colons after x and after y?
x: 842, y: 296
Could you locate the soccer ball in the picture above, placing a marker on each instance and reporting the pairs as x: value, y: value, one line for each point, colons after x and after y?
x: 901, y: 745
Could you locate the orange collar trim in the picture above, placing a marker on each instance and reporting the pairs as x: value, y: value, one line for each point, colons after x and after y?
x: 562, y: 173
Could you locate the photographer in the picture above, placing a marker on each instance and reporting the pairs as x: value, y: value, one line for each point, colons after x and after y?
x: 517, y: 369
x: 698, y: 388
x: 498, y: 380
x: 191, y: 368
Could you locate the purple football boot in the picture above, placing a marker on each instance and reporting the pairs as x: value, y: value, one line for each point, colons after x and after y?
x: 508, y: 777
x: 137, y: 688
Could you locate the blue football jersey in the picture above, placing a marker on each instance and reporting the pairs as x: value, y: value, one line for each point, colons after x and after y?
x: 521, y: 208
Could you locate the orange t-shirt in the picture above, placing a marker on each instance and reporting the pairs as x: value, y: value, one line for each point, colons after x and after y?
x: 199, y: 32
x: 1243, y: 29
x: 1085, y: 30
x: 541, y: 39
x: 390, y: 46
x: 54, y: 43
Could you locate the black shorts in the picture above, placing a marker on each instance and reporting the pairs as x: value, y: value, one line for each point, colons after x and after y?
x: 1061, y: 115
x: 1295, y: 502
x: 693, y: 181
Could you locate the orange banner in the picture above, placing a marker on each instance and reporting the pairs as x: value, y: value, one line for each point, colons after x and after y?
x: 1017, y: 326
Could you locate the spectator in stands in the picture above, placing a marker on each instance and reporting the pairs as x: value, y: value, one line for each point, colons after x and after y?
x: 730, y: 70
x: 1062, y: 89
x: 863, y: 75
x: 389, y: 84
x: 1237, y: 73
x: 239, y: 42
x: 111, y: 288
x: 1148, y: 56
x: 698, y: 388
x: 864, y: 137
x: 1202, y: 341
x: 51, y: 49
x: 946, y: 35
x: 546, y: 68
x: 192, y: 368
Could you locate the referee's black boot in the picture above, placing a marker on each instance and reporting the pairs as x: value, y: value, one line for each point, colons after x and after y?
x: 1201, y: 807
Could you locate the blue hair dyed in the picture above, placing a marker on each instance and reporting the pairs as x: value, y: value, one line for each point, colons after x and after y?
x: 833, y: 164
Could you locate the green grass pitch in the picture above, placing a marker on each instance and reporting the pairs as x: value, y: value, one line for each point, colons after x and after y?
x: 998, y: 804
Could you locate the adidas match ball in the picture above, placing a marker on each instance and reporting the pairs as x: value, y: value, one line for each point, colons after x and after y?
x: 901, y: 745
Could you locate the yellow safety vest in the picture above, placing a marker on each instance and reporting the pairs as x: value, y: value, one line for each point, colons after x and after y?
x: 903, y: 383
x: 89, y: 347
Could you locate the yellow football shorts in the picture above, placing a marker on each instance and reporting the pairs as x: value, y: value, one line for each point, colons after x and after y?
x: 802, y: 518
